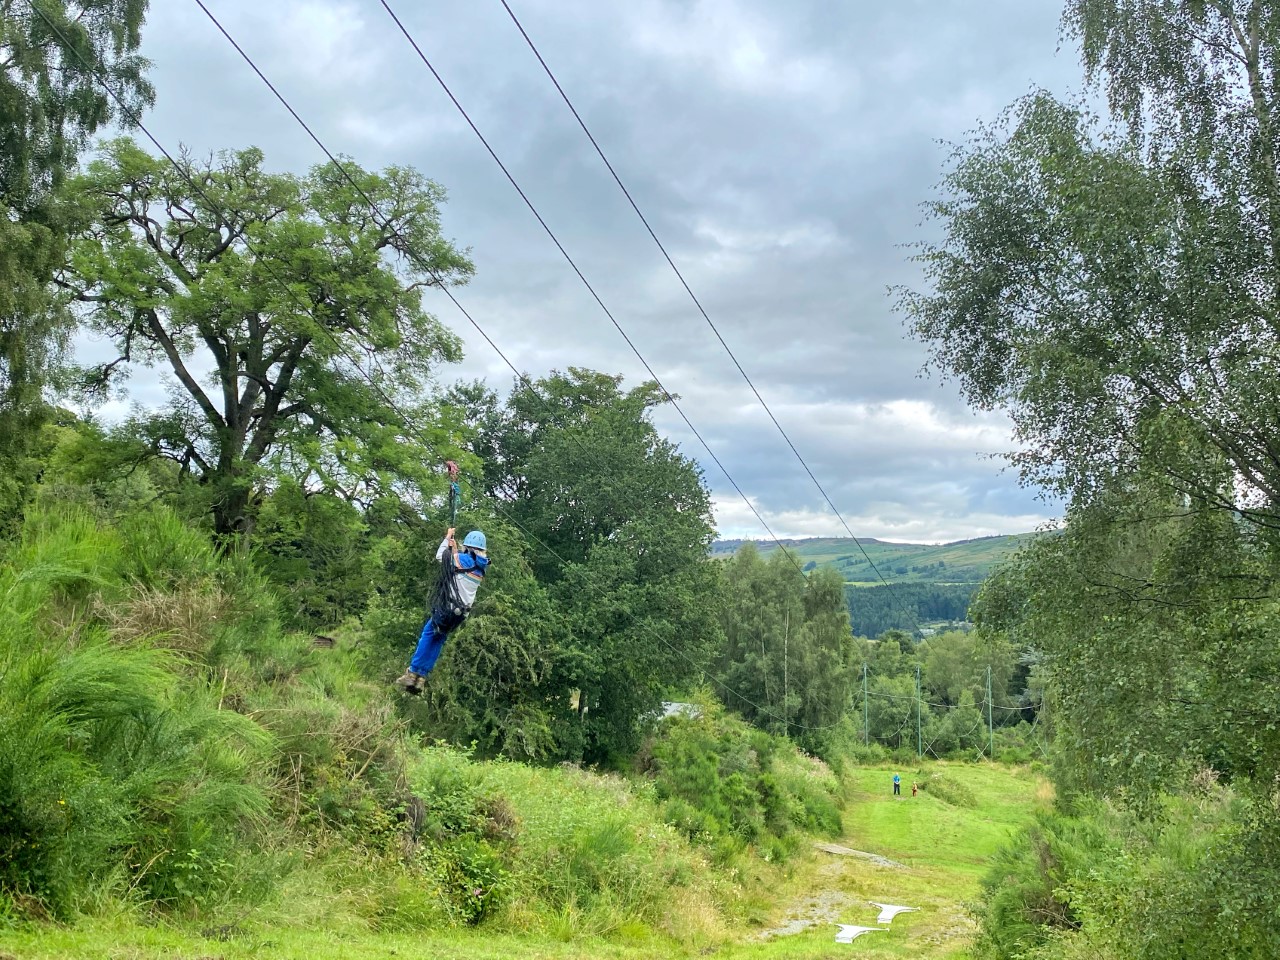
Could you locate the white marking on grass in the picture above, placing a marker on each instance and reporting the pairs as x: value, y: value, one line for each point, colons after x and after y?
x: 889, y: 910
x: 849, y: 933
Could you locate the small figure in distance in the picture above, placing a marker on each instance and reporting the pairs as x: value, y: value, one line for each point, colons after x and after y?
x: 913, y: 789
x: 897, y: 785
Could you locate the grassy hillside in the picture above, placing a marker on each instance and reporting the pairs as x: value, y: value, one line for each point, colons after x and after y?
x: 172, y: 758
x: 180, y: 776
x: 964, y: 561
x: 941, y: 842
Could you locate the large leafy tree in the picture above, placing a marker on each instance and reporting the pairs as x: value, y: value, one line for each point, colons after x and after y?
x: 1116, y: 287
x: 788, y: 647
x: 762, y: 611
x: 957, y: 662
x: 618, y: 524
x: 1160, y: 628
x: 303, y: 306
x: 54, y: 58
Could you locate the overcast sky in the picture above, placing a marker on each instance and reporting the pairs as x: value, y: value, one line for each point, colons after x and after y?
x: 781, y: 151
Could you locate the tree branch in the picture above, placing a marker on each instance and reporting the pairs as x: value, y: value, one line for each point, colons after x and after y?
x: 180, y: 369
x: 265, y: 432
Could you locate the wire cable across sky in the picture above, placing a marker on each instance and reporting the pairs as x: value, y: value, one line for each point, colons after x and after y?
x: 608, y: 313
x: 683, y: 282
x: 374, y: 208
x: 407, y: 423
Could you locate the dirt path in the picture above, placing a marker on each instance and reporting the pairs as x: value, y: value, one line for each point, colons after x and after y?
x: 828, y: 905
x: 924, y: 852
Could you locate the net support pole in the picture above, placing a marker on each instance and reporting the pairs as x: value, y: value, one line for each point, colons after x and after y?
x: 991, y: 730
x: 866, y: 712
x: 919, y: 735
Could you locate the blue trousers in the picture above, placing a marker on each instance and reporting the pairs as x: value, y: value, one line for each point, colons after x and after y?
x: 429, y: 646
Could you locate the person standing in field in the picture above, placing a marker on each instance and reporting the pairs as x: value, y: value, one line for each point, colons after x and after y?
x: 897, y: 785
x: 913, y: 789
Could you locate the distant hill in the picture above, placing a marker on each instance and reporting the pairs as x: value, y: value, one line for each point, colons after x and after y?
x: 929, y: 586
x: 964, y: 561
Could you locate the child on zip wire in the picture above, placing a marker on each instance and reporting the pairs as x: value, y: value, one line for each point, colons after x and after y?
x: 461, y: 574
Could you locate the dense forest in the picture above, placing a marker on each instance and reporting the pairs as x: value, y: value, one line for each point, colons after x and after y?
x: 907, y: 606
x: 898, y: 586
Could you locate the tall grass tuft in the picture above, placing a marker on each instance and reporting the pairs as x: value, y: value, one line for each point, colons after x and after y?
x: 114, y: 773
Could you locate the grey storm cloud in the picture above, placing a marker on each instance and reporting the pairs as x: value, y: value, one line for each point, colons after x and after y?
x: 781, y: 151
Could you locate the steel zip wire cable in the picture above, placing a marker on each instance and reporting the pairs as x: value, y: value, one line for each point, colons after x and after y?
x: 685, y: 283
x: 382, y: 220
x: 137, y: 121
x: 285, y: 103
x: 581, y: 276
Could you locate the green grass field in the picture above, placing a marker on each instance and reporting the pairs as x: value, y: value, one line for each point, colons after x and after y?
x: 942, y: 844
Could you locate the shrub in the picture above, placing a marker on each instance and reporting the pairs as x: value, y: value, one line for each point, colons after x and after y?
x: 1025, y: 902
x: 945, y: 788
x: 463, y: 828
x: 1194, y: 882
x: 842, y: 744
x: 1018, y: 744
x: 727, y: 784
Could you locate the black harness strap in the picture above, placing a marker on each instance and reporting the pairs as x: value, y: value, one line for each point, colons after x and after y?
x: 447, y: 609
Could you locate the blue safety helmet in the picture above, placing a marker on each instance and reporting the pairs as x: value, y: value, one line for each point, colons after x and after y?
x: 475, y: 539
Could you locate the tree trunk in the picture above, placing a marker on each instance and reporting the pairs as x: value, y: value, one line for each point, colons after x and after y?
x: 234, y: 508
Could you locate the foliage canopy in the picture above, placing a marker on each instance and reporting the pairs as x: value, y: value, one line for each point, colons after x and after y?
x: 319, y: 344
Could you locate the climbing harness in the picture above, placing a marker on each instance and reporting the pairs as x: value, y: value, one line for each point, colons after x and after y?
x: 447, y: 609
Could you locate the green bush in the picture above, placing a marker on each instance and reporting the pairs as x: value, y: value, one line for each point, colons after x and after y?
x: 945, y: 788
x: 1018, y: 744
x: 1195, y: 881
x: 1025, y: 900
x: 314, y: 547
x: 592, y: 852
x: 842, y: 744
x: 471, y: 876
x: 463, y: 828
x: 728, y: 785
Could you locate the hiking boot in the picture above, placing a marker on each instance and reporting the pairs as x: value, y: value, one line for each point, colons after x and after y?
x: 411, y: 682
